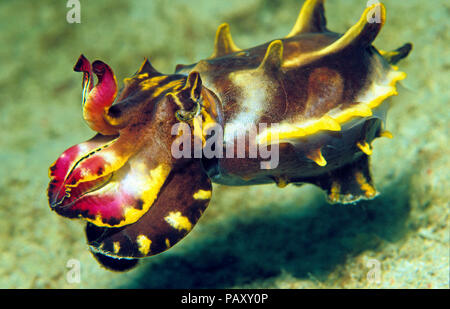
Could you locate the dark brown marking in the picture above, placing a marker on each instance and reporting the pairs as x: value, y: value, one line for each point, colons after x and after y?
x: 139, y: 204
x: 100, y: 170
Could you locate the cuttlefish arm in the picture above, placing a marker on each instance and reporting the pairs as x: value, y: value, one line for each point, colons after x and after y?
x: 180, y: 204
x: 138, y: 200
x: 108, y: 180
x: 96, y: 100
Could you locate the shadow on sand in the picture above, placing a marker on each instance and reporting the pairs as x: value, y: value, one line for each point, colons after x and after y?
x: 302, y: 245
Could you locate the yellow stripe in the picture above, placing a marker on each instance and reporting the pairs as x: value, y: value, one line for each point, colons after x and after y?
x: 193, y: 98
x: 291, y: 131
x: 368, y: 189
x: 152, y: 82
x: 167, y: 86
x: 335, y: 118
x: 175, y: 98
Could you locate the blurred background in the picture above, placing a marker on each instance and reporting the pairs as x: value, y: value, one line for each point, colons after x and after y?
x: 249, y: 237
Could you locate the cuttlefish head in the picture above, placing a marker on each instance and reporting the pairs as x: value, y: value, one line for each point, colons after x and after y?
x: 137, y: 198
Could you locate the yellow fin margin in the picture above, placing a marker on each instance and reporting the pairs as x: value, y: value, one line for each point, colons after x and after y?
x: 333, y: 120
x: 273, y: 58
x: 306, y: 19
x: 317, y: 157
x: 293, y: 131
x: 362, y: 33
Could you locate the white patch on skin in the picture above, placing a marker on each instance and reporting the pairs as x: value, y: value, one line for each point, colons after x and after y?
x: 255, y: 87
x: 382, y: 87
x: 108, y: 156
x: 82, y: 148
x: 136, y: 178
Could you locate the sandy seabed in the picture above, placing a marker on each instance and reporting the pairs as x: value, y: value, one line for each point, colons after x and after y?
x: 249, y: 237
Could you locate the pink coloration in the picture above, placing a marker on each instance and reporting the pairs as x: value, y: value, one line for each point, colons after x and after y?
x: 88, y: 181
x: 108, y: 206
x: 66, y: 162
x: 74, y: 193
x: 86, y: 170
x: 105, y: 198
x: 106, y: 159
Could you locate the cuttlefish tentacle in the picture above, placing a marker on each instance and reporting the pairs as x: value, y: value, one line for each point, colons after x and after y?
x: 96, y: 100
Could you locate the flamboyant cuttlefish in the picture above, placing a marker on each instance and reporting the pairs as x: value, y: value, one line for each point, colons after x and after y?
x: 320, y: 95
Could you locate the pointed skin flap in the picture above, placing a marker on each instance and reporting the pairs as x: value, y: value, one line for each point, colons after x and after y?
x: 393, y: 57
x: 273, y: 58
x: 362, y: 34
x: 146, y: 67
x: 223, y: 43
x: 311, y: 19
